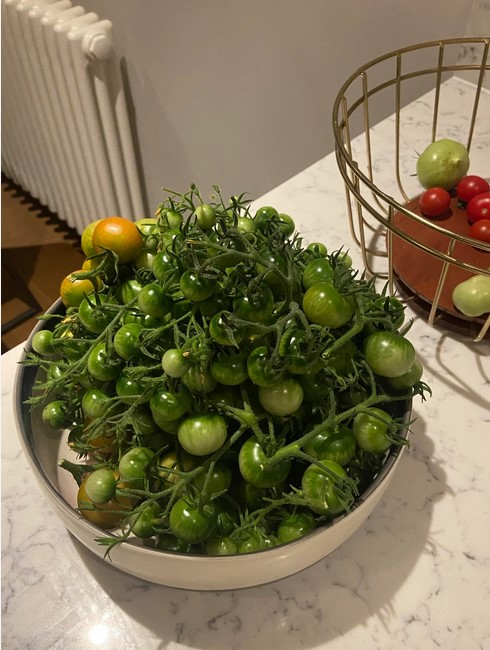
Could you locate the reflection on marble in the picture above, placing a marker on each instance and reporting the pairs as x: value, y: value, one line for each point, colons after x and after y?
x: 415, y: 575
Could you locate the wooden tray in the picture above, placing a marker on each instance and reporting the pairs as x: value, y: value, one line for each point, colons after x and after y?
x: 420, y: 271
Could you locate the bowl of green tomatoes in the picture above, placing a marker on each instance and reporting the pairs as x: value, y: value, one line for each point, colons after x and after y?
x: 213, y: 404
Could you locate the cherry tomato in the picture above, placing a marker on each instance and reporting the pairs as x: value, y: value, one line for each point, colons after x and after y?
x: 371, y: 428
x: 215, y: 480
x: 325, y: 306
x: 256, y: 305
x: 153, y: 301
x: 318, y: 270
x: 163, y: 266
x: 434, y: 202
x: 128, y: 290
x: 190, y: 523
x: 319, y: 485
x: 229, y: 369
x: 293, y: 347
x: 106, y: 515
x: 118, y: 235
x: 170, y: 406
x: 128, y: 390
x: 87, y: 245
x: 295, y: 526
x: 100, y: 485
x: 175, y: 363
x: 205, y: 216
x: 479, y: 207
x: 92, y: 313
x: 339, y: 445
x: 195, y: 286
x: 471, y: 186
x: 221, y: 546
x: 201, y: 435
x: 126, y: 340
x: 101, y: 365
x: 260, y: 370
x: 41, y: 342
x: 73, y: 290
x: 133, y: 465
x: 252, y: 462
x: 95, y: 403
x: 283, y: 398
x: 481, y: 230
x: 54, y: 414
x: 388, y: 354
x: 223, y: 331
x: 143, y: 523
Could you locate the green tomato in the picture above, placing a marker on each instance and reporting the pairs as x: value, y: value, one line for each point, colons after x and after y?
x: 143, y: 523
x: 254, y: 467
x: 54, y: 415
x: 163, y: 266
x: 153, y: 301
x: 126, y: 340
x: 93, y: 315
x: 443, y: 164
x: 133, y: 466
x: 294, y: 348
x: 295, y: 526
x: 215, y: 479
x: 319, y: 484
x: 169, y: 406
x: 220, y: 546
x: 201, y: 435
x: 283, y: 398
x: 175, y: 363
x: 223, y: 331
x: 408, y: 379
x: 171, y: 544
x: 100, y: 485
x: 190, y: 523
x: 338, y: 445
x: 472, y: 296
x: 256, y: 306
x: 128, y: 389
x: 95, y: 403
x: 318, y: 270
x: 199, y: 380
x: 259, y: 369
x: 101, y: 365
x: 229, y: 369
x: 128, y: 290
x: 317, y: 249
x: 371, y: 429
x: 205, y: 216
x: 388, y: 354
x: 196, y: 287
x: 324, y: 305
x: 41, y: 342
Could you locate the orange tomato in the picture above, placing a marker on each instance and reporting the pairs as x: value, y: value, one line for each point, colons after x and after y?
x: 118, y: 235
x: 73, y: 290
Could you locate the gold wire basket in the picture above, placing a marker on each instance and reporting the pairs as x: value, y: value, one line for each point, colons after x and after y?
x: 426, y: 258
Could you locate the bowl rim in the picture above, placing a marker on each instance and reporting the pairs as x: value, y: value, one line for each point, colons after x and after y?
x: 23, y: 381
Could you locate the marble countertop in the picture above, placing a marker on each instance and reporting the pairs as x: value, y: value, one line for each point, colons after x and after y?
x: 415, y: 575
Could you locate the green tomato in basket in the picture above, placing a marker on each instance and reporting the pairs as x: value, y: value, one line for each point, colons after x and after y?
x: 472, y: 296
x: 443, y: 164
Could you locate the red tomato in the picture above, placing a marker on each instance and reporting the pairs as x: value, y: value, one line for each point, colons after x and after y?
x: 471, y: 186
x: 434, y: 202
x: 481, y: 230
x: 479, y: 207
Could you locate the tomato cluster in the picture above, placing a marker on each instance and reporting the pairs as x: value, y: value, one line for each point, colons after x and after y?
x: 226, y: 388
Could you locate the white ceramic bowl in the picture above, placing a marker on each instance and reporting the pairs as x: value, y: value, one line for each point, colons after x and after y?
x: 43, y: 448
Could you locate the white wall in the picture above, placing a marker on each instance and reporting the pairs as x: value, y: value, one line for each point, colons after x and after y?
x: 240, y: 92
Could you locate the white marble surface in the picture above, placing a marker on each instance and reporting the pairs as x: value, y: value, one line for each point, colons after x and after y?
x: 415, y: 576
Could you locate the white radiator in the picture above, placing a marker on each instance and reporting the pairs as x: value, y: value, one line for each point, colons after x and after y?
x: 66, y: 134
